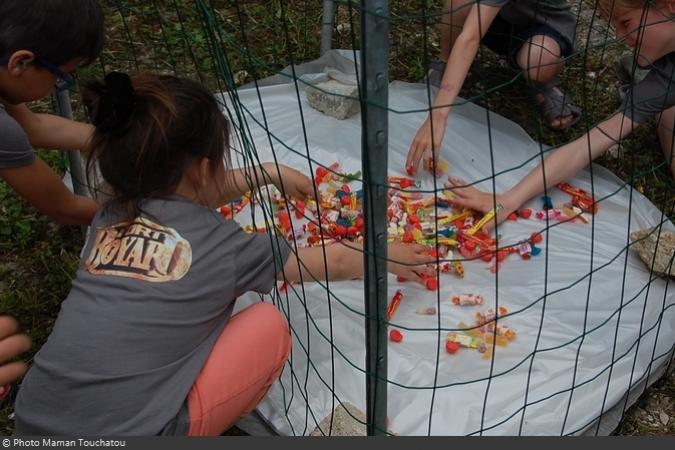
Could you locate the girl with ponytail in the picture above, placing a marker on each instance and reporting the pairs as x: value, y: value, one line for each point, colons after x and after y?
x: 146, y: 342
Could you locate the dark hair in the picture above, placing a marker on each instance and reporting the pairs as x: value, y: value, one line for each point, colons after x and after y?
x: 149, y: 128
x: 57, y: 31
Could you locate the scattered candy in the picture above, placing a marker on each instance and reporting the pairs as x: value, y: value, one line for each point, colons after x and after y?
x: 451, y: 347
x: 467, y: 300
x: 395, y: 336
x: 580, y: 198
x: 413, y: 217
x: 548, y: 203
x: 525, y: 213
x: 426, y: 311
x: 393, y: 305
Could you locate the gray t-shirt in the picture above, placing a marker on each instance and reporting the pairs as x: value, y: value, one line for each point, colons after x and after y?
x: 149, y: 300
x: 15, y: 149
x: 554, y: 13
x: 655, y: 93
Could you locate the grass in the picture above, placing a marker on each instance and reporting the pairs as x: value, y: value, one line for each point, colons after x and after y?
x: 38, y: 259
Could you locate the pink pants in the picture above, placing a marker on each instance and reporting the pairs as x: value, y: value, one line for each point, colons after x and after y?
x: 246, y: 359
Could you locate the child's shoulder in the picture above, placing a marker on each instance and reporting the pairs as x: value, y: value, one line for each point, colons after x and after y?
x: 15, y: 149
x: 665, y: 66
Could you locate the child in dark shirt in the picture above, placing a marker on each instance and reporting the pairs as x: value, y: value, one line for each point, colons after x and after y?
x: 41, y: 43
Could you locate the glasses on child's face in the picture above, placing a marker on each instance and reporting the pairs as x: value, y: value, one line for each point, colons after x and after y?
x: 64, y: 81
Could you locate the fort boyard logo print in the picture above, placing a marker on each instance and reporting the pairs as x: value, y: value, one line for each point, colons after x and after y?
x: 140, y: 249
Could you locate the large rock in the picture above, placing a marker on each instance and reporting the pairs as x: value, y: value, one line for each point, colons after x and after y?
x: 644, y: 243
x: 334, y: 98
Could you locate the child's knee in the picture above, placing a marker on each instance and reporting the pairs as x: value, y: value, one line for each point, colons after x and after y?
x: 273, y: 325
x: 456, y: 8
x: 540, y: 57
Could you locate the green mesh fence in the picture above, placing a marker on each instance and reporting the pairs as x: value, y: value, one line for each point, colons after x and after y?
x: 233, y: 47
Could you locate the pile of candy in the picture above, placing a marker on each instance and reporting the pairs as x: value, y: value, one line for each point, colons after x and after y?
x: 414, y: 218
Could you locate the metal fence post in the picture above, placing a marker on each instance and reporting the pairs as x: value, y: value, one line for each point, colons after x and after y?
x: 327, y: 25
x: 64, y: 109
x: 374, y: 119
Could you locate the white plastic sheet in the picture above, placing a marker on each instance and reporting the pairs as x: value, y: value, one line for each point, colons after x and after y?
x: 584, y: 309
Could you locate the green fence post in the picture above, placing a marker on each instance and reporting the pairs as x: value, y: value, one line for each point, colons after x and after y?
x: 374, y: 111
x: 327, y: 25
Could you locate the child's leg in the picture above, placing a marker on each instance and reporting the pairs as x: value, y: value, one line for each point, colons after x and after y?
x: 665, y: 125
x: 540, y: 58
x: 246, y: 359
x: 452, y: 21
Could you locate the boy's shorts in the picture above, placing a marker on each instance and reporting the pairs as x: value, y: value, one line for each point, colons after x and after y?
x: 505, y: 38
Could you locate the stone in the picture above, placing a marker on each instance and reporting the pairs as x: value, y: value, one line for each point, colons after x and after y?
x: 644, y: 243
x: 343, y: 423
x: 664, y: 418
x: 334, y: 98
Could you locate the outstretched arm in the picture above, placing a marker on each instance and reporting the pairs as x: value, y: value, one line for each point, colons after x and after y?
x: 39, y: 185
x: 559, y: 166
x: 463, y: 53
x: 344, y: 261
x: 565, y: 162
x: 241, y: 181
x: 50, y: 131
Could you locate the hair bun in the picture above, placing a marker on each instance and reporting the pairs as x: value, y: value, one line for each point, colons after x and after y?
x: 117, y: 99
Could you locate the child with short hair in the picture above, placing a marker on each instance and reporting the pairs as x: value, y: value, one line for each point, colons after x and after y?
x: 41, y: 43
x: 534, y: 35
x: 649, y: 28
x: 146, y: 342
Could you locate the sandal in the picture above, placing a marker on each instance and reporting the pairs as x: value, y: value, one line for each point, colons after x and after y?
x: 555, y: 105
x: 436, y: 71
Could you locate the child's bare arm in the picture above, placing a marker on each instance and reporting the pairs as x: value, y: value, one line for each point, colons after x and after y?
x: 566, y: 161
x: 241, y: 181
x: 39, y: 185
x: 463, y: 53
x: 344, y: 261
x: 559, y: 166
x: 50, y: 131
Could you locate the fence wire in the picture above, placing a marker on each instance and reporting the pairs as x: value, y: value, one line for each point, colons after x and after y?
x: 234, y: 46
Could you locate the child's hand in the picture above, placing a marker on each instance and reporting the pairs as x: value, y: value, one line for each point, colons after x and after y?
x: 421, y: 147
x: 470, y: 197
x: 410, y: 261
x: 295, y: 183
x: 11, y: 345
